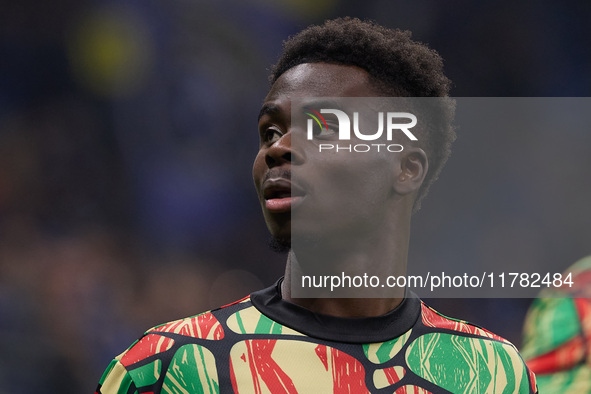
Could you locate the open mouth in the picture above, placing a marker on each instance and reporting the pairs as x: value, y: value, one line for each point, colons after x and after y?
x: 274, y: 194
x: 281, y: 196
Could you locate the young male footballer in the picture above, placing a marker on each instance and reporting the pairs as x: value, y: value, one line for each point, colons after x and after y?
x: 275, y: 341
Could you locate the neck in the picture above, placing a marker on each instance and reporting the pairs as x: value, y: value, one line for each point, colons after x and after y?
x: 380, y: 254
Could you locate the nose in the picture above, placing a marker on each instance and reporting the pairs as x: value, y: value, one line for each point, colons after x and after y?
x: 280, y: 152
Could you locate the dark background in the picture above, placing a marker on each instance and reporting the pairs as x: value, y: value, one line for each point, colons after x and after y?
x: 127, y: 132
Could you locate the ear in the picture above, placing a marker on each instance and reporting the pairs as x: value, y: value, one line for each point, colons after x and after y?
x: 413, y: 168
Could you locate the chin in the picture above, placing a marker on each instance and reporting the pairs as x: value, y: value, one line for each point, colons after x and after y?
x: 279, y: 225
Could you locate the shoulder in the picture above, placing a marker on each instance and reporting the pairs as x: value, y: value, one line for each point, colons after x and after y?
x: 445, y: 347
x: 180, y: 341
x: 431, y: 318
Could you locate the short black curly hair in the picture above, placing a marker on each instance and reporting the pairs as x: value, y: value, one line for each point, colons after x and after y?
x: 397, y: 66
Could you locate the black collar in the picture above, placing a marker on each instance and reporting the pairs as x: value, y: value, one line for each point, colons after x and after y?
x: 353, y: 330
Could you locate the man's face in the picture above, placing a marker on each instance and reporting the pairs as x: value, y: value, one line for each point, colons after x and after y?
x: 309, y: 193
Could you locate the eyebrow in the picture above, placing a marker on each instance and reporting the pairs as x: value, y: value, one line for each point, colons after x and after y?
x: 272, y: 109
x: 323, y: 103
x: 268, y: 109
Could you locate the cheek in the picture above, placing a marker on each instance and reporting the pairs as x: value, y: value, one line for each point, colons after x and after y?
x: 258, y: 170
x: 364, y: 175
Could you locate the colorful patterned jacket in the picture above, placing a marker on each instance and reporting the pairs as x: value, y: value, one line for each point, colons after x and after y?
x: 557, y: 334
x: 263, y: 344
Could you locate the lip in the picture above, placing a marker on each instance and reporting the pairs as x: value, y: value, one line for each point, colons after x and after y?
x: 282, y: 195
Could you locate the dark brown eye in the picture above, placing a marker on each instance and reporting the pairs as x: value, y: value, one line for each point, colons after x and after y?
x: 272, y: 135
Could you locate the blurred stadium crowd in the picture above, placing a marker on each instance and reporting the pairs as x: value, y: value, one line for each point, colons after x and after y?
x: 127, y: 131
